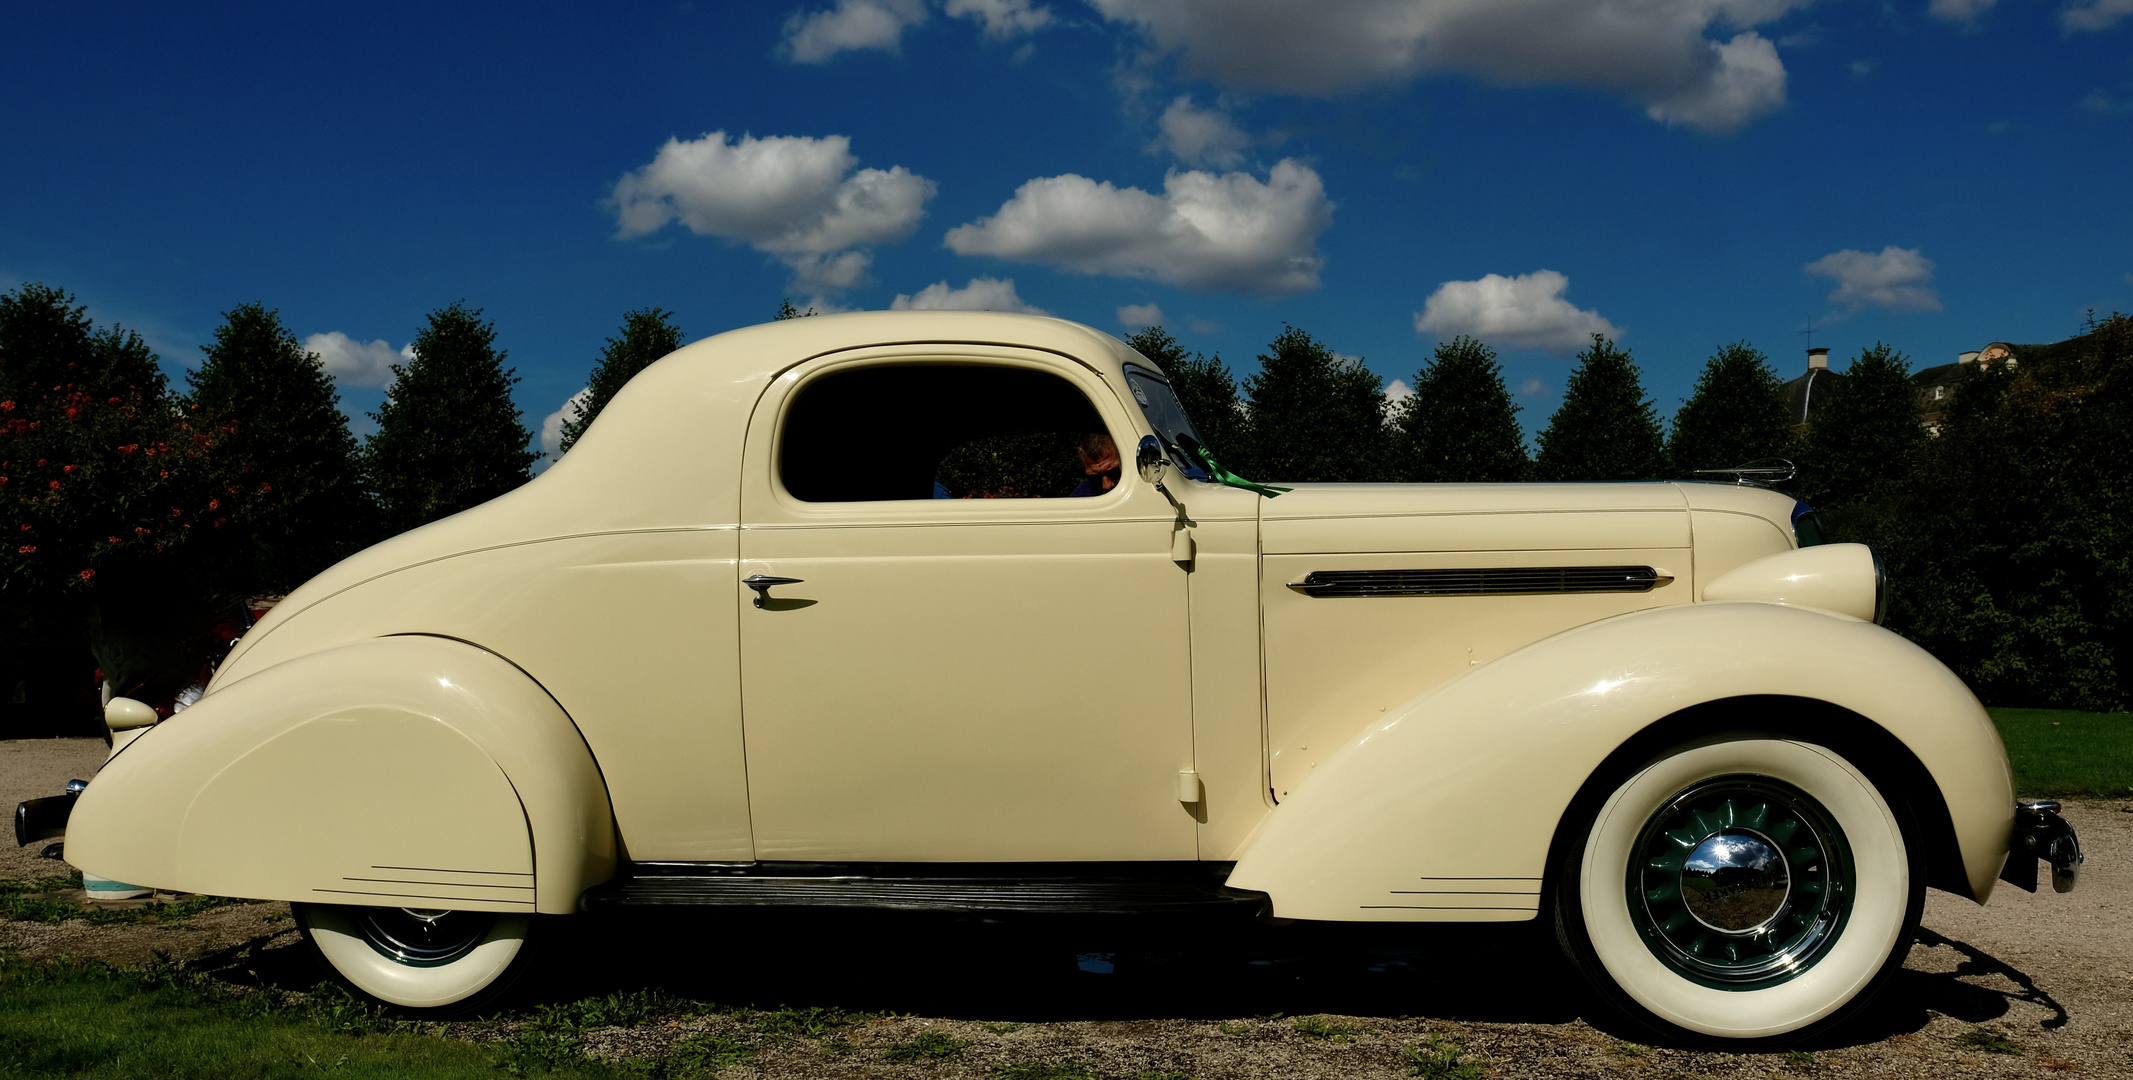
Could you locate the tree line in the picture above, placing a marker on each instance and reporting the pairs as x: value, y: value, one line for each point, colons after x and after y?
x: 2007, y: 534
x: 143, y: 515
x: 142, y: 518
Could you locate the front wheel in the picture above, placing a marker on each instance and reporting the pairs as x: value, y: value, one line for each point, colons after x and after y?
x: 1748, y: 889
x: 436, y: 963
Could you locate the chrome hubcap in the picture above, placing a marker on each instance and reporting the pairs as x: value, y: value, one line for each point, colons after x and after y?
x: 420, y: 937
x: 1740, y: 882
x: 1735, y: 882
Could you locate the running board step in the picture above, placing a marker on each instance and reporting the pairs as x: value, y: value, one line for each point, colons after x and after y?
x: 667, y: 886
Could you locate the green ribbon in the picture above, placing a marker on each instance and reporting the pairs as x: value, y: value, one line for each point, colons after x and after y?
x: 1224, y: 476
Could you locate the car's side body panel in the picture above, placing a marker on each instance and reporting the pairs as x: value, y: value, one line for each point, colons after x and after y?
x: 1444, y: 809
x: 1228, y: 710
x: 397, y: 772
x: 964, y: 680
x: 632, y: 632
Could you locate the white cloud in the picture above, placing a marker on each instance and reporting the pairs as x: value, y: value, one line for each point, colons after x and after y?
x: 1132, y: 316
x: 830, y: 273
x: 356, y: 363
x: 1199, y: 136
x: 552, y: 425
x: 815, y: 37
x: 1959, y: 10
x: 1526, y: 311
x: 981, y: 294
x: 1531, y: 388
x: 1899, y: 279
x: 2094, y: 15
x: 802, y: 199
x: 1002, y: 19
x: 2100, y: 100
x: 1657, y: 53
x: 1230, y: 231
x: 780, y: 193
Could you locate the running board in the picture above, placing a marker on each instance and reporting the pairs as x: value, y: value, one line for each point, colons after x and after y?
x: 1044, y: 889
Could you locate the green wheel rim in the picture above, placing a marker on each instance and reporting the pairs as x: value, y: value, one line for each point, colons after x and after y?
x: 1740, y: 882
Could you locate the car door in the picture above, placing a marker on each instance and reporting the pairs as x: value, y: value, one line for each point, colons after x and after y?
x: 996, y: 673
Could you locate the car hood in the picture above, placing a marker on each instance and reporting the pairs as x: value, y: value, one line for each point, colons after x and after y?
x: 1337, y: 518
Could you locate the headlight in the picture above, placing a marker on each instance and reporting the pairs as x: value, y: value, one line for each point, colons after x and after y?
x: 1844, y: 578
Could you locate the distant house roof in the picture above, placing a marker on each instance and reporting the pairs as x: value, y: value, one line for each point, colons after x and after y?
x: 1806, y: 395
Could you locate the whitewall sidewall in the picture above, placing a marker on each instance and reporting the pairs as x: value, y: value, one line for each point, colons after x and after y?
x: 1880, y: 895
x: 408, y: 986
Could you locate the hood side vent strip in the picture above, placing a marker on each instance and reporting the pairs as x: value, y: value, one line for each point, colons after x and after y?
x: 1484, y: 581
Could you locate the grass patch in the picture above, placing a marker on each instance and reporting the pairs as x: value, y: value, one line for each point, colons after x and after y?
x: 1001, y: 1027
x: 1044, y: 1070
x: 1316, y: 1027
x: 2064, y: 752
x: 925, y: 1046
x: 1441, y: 1057
x: 28, y: 901
x: 813, y: 1022
x: 1799, y: 1061
x: 1989, y: 1041
x: 706, y: 1054
x: 95, y: 1022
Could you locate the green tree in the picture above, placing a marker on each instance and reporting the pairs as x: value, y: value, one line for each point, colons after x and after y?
x: 1735, y: 415
x: 787, y: 311
x: 1605, y: 429
x: 1315, y: 416
x: 113, y: 499
x: 2011, y: 549
x: 448, y: 435
x: 1866, y: 434
x: 1204, y: 386
x: 647, y: 335
x: 287, y: 450
x: 1460, y: 426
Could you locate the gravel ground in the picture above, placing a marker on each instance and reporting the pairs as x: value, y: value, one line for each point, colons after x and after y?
x: 2050, y: 975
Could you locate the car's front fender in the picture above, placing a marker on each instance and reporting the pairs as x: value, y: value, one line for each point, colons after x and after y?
x: 1445, y: 808
x: 407, y: 771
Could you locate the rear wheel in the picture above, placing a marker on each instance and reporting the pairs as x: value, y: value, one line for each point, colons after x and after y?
x: 1748, y: 889
x: 423, y: 961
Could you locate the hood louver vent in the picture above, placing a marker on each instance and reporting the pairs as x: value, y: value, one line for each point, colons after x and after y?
x: 1487, y: 581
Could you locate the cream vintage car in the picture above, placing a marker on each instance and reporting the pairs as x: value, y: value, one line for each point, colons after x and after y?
x: 734, y: 649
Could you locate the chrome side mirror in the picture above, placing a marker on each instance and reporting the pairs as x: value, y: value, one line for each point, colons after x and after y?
x: 1150, y: 459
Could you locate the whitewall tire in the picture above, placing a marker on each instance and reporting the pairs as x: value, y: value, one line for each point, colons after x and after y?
x: 442, y: 962
x: 1749, y: 889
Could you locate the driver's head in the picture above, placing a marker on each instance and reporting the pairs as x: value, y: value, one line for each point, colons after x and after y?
x: 1098, y: 453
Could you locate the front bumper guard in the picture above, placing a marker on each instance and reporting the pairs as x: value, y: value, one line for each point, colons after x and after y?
x: 46, y: 818
x: 2041, y: 834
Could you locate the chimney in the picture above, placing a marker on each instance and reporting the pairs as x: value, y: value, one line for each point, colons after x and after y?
x: 1817, y: 358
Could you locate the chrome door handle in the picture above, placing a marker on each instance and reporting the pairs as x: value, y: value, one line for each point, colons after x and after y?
x: 761, y: 583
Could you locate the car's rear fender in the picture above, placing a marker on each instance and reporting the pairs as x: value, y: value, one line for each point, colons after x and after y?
x: 407, y: 771
x: 1444, y: 809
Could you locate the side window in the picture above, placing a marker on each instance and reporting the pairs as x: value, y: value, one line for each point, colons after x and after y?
x: 943, y: 431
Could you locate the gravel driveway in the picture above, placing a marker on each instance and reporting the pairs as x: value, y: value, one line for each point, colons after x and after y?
x: 2050, y: 975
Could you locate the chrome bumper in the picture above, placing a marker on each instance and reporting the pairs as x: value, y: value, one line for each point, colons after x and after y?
x: 2040, y: 833
x: 45, y: 819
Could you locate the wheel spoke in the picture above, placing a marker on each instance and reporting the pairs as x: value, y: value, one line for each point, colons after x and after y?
x: 1732, y: 886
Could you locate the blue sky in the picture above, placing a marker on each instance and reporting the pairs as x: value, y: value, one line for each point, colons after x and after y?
x: 1936, y: 174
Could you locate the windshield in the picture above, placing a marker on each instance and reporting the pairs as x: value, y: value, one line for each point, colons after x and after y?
x: 1159, y: 403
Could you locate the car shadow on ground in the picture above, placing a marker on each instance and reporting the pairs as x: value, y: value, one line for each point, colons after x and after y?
x: 1126, y: 970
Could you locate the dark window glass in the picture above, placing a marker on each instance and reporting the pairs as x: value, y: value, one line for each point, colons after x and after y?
x: 928, y: 431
